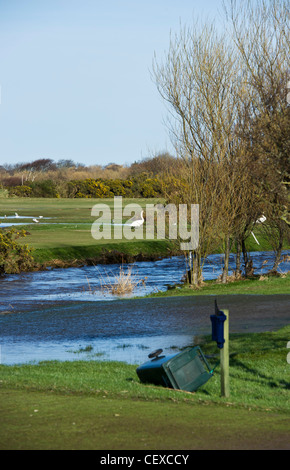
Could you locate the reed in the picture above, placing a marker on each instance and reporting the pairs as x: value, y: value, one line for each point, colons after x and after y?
x: 123, y: 283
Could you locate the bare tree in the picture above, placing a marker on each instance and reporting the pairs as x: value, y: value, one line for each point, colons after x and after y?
x: 200, y: 80
x: 260, y: 31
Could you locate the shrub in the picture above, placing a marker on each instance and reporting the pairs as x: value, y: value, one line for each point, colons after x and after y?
x: 20, y: 191
x: 89, y: 188
x: 14, y: 257
x: 4, y: 193
x: 46, y: 188
x: 137, y: 186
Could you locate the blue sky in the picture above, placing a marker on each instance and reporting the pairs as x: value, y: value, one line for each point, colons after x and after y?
x: 75, y: 77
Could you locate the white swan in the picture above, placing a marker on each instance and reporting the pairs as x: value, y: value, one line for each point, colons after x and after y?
x: 35, y: 220
x: 138, y: 222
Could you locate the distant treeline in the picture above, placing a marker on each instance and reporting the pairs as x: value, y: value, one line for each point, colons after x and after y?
x: 46, y: 178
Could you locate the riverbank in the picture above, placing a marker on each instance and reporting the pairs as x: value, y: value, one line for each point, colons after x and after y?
x: 103, y: 405
x: 107, y: 253
x: 274, y: 284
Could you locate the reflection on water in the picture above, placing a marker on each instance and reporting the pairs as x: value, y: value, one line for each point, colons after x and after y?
x: 131, y: 350
x: 52, y: 314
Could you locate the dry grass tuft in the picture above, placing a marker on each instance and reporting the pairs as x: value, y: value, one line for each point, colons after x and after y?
x: 124, y: 283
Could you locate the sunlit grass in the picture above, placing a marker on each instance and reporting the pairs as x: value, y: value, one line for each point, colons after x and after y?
x: 273, y: 285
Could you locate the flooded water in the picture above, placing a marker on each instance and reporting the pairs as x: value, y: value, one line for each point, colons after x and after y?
x: 67, y: 314
x: 89, y: 283
x: 10, y: 220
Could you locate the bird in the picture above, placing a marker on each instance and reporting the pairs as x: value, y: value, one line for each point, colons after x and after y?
x: 36, y: 221
x: 261, y: 220
x: 40, y: 217
x: 138, y: 222
x: 16, y: 215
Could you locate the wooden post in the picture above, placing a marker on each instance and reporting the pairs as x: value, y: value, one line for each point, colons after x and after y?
x: 225, y: 364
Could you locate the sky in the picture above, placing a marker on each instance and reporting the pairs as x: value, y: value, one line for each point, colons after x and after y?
x: 75, y: 77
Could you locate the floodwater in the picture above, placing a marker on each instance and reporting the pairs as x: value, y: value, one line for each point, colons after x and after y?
x: 89, y: 283
x: 67, y: 314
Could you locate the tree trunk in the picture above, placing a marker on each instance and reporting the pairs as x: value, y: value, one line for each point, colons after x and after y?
x: 238, y: 260
x: 226, y: 262
x: 189, y: 269
x: 249, y: 269
x: 246, y: 257
x: 278, y: 255
x: 195, y: 270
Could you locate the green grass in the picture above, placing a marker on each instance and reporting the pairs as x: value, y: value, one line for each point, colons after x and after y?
x: 278, y: 285
x: 103, y: 405
x: 68, y: 237
x: 69, y: 251
x: 41, y: 421
x: 69, y: 210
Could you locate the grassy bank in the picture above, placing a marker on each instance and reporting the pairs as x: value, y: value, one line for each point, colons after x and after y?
x: 108, y: 252
x: 260, y: 285
x: 100, y: 405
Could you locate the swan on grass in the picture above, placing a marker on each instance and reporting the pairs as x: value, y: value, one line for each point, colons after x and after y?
x: 137, y: 222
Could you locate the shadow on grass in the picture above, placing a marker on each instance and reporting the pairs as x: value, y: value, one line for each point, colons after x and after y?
x: 255, y: 375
